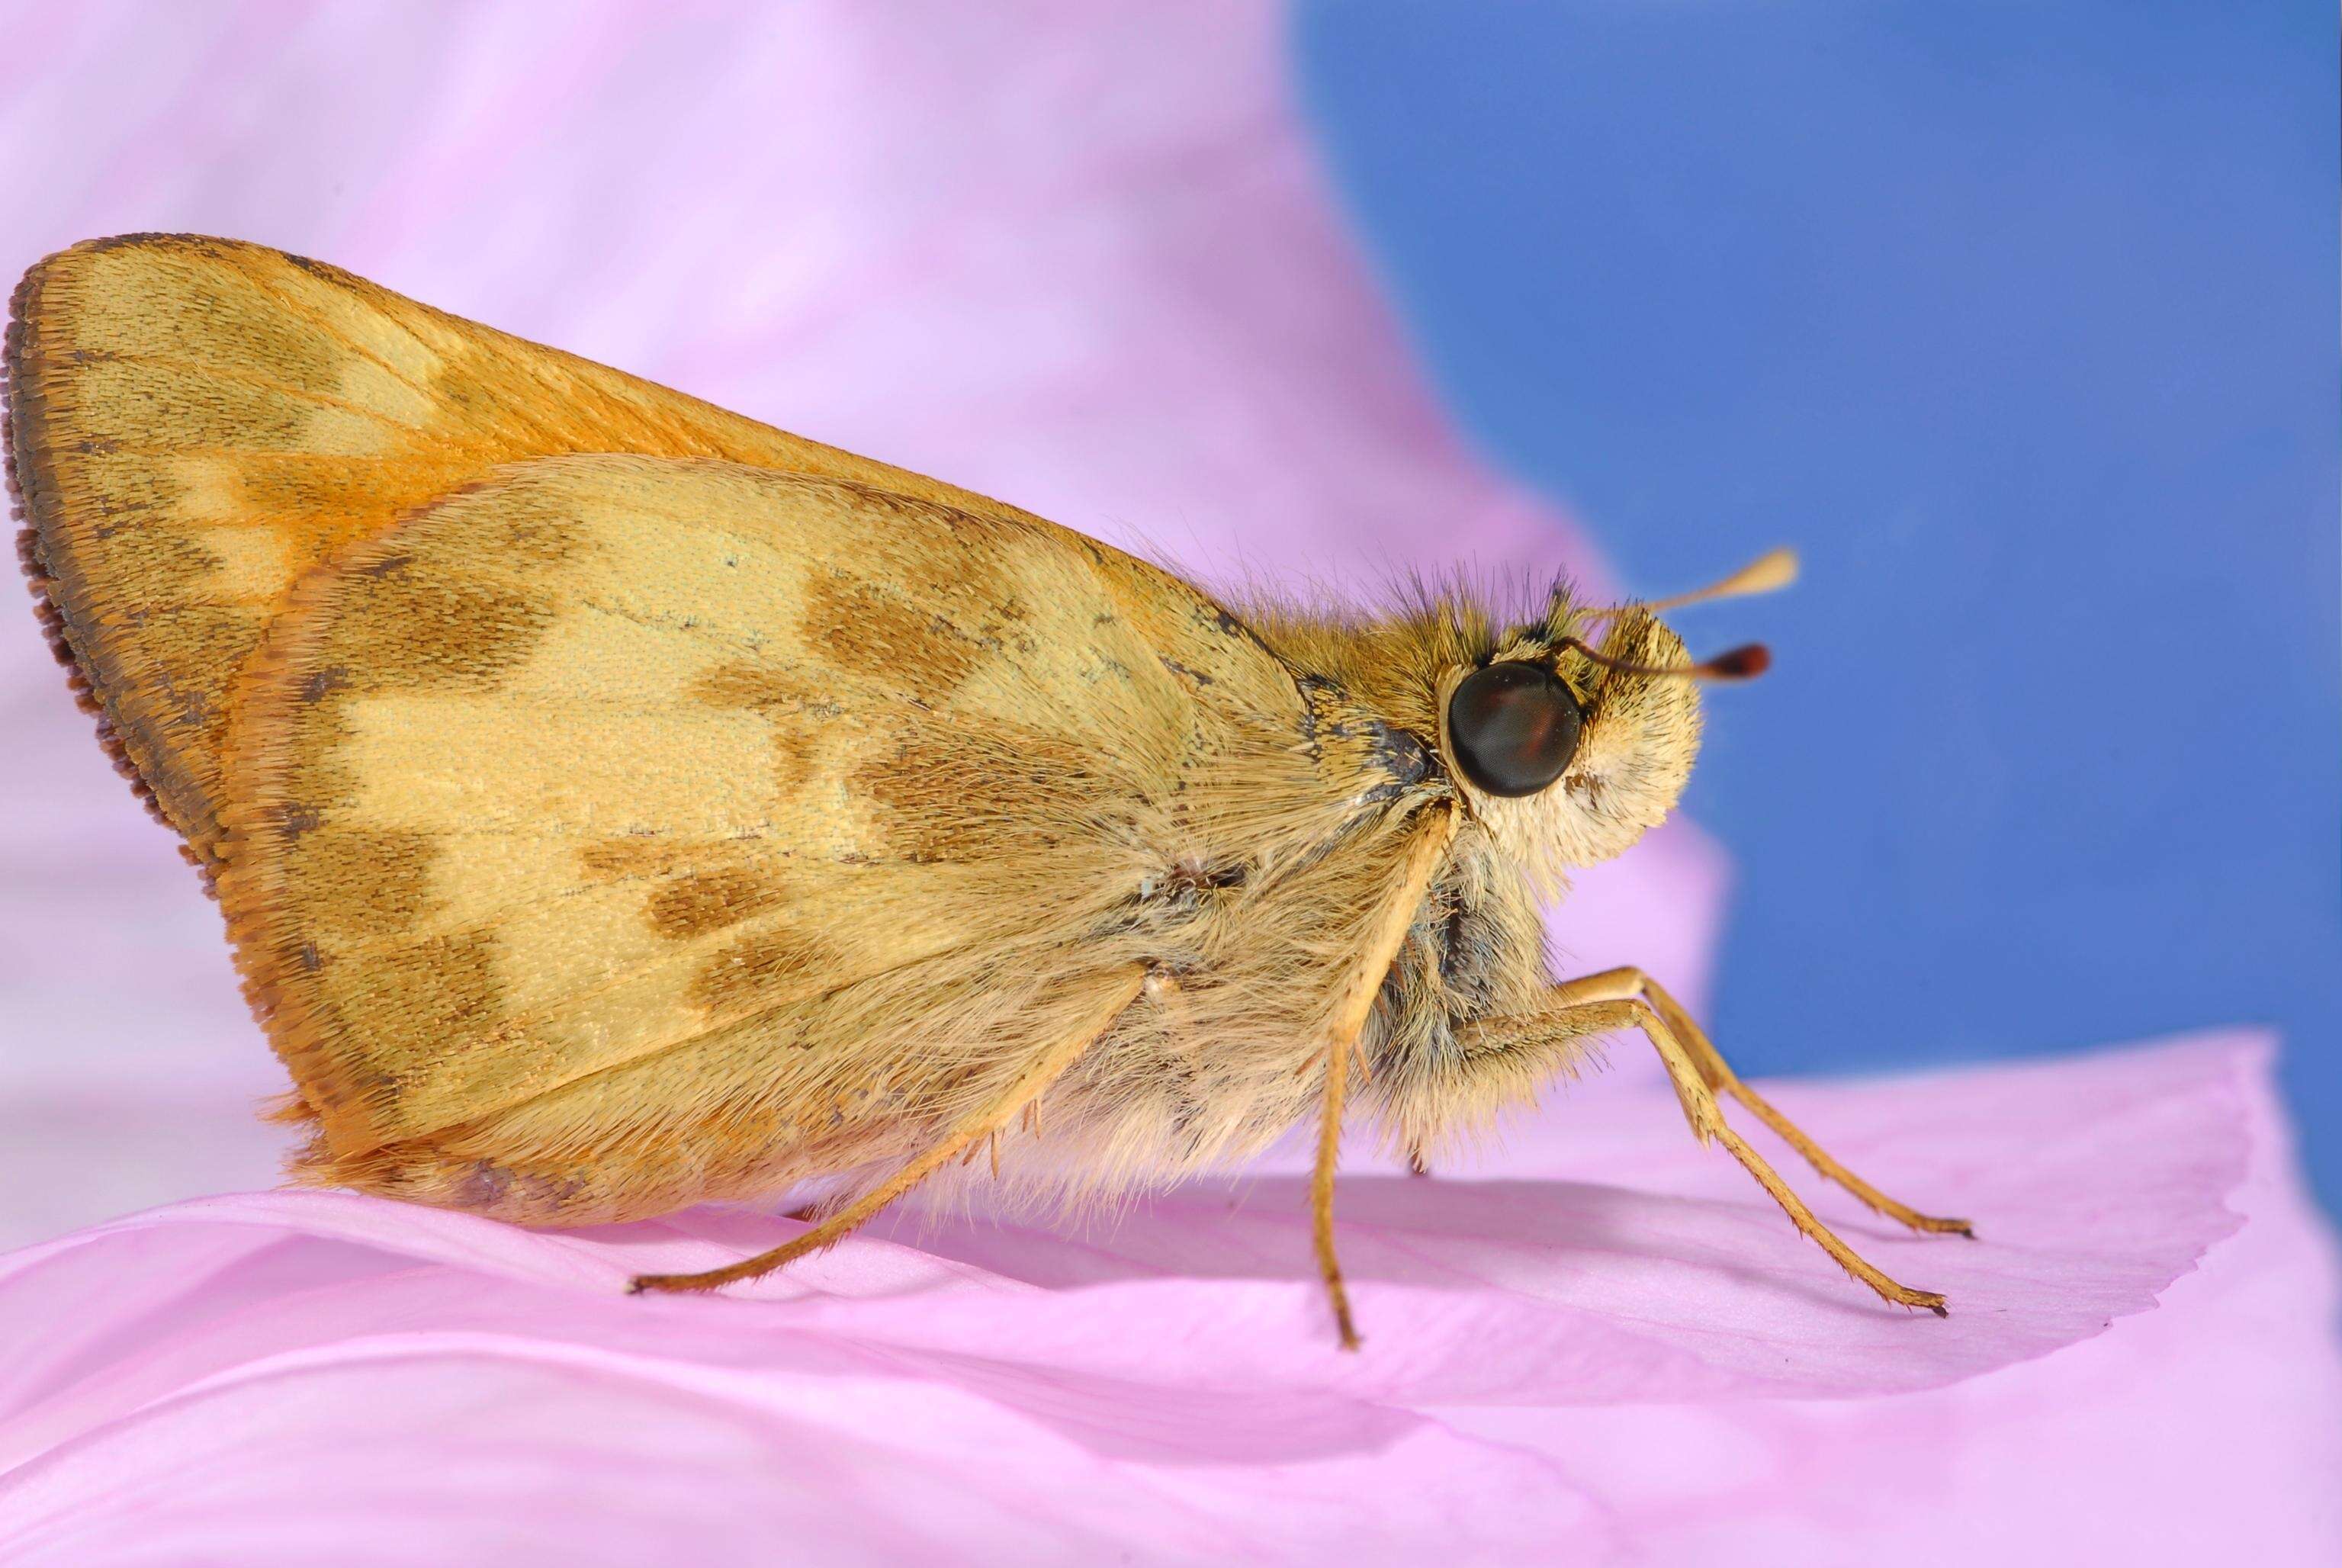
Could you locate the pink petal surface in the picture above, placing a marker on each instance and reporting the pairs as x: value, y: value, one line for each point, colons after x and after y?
x: 1169, y: 1381
x: 2203, y: 1431
x: 1079, y: 256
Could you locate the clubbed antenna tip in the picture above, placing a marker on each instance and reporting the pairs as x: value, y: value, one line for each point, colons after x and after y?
x: 1745, y: 662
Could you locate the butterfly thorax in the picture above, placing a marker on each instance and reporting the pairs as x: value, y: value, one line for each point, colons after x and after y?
x: 1477, y: 947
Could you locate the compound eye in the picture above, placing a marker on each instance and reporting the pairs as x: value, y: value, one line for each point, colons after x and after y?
x: 1515, y: 727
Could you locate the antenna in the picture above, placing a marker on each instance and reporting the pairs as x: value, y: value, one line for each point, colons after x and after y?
x: 1745, y: 662
x: 1773, y: 569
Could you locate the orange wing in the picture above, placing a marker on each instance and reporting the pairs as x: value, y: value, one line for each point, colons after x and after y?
x: 194, y: 423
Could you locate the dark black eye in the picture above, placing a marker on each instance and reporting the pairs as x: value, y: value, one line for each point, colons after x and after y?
x: 1514, y: 727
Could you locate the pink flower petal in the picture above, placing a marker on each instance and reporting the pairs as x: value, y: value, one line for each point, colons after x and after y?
x: 1553, y: 1289
x: 422, y: 1446
x: 258, y: 1375
x: 2204, y: 1431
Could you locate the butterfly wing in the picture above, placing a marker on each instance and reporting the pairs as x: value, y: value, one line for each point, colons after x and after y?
x: 621, y: 830
x: 195, y: 422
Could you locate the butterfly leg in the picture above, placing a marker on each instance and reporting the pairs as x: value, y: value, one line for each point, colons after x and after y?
x: 1120, y: 989
x: 1719, y: 1076
x: 1349, y: 1019
x: 1698, y: 1070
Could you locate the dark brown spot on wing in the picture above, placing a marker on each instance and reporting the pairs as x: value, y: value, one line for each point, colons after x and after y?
x: 353, y: 883
x: 930, y: 600
x: 968, y: 794
x: 690, y: 886
x: 655, y: 855
x: 799, y: 705
x: 861, y: 626
x: 419, y: 1003
x: 766, y: 969
x: 616, y: 859
x: 438, y: 630
x: 695, y: 904
x: 762, y: 688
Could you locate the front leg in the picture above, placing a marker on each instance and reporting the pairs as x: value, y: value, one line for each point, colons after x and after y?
x: 1338, y: 1040
x: 1697, y: 1071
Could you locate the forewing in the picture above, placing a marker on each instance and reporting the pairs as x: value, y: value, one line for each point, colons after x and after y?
x: 608, y: 757
x: 195, y: 422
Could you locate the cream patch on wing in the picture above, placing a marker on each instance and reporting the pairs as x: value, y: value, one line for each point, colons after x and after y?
x: 515, y: 781
x: 333, y: 430
x: 593, y: 753
x: 251, y: 563
x: 1058, y: 643
x: 249, y: 560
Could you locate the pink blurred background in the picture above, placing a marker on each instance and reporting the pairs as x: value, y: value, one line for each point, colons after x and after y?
x: 1081, y: 257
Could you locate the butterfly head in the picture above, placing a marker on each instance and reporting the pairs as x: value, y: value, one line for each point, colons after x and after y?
x: 1570, y: 742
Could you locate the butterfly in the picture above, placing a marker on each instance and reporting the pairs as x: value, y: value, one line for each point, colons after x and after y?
x: 615, y: 803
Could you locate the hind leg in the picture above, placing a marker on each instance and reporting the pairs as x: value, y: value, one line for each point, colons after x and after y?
x: 1115, y: 992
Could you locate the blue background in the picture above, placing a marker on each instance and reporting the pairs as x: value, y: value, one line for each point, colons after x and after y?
x: 2020, y: 321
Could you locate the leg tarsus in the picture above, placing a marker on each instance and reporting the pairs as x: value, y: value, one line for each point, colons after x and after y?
x: 1846, y: 1258
x: 1821, y: 1160
x: 1321, y: 1197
